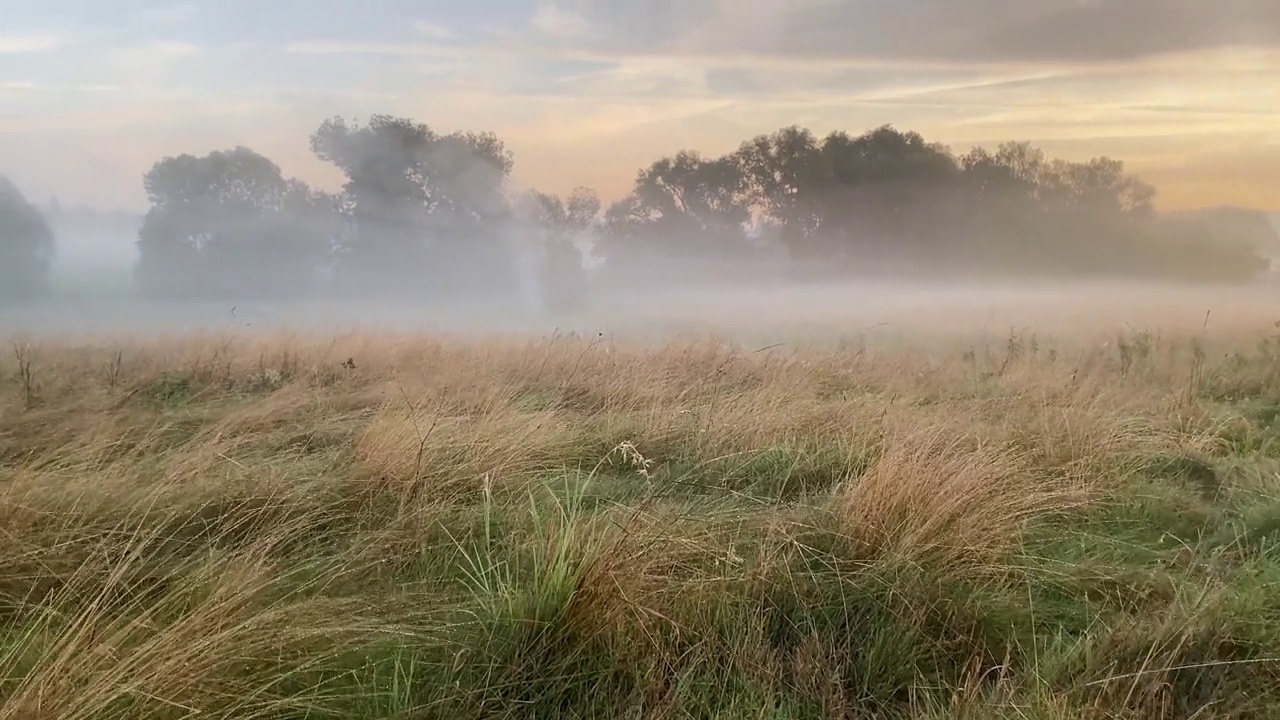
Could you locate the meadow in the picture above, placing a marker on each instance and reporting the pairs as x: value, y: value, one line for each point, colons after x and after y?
x: 378, y: 524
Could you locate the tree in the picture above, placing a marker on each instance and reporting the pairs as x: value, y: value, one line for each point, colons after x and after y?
x: 845, y: 199
x: 1005, y: 193
x: 1071, y: 217
x: 681, y: 209
x: 1101, y: 185
x: 784, y: 174
x: 885, y: 195
x: 1233, y: 224
x: 560, y: 268
x: 1189, y: 249
x: 423, y: 205
x: 26, y: 247
x: 582, y: 209
x: 428, y: 214
x: 229, y: 224
x: 575, y: 214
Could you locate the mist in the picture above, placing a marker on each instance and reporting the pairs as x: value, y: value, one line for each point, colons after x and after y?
x: 789, y: 236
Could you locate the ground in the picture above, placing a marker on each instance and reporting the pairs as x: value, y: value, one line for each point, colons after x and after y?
x: 380, y: 525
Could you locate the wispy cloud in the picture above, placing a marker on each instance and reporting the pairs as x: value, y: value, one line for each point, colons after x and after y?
x: 365, y: 47
x: 32, y: 43
x: 433, y: 30
x: 168, y: 15
x: 173, y: 48
x: 558, y: 22
x: 1024, y: 31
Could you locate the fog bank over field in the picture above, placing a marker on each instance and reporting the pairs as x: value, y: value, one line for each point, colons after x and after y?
x: 791, y: 313
x: 790, y: 235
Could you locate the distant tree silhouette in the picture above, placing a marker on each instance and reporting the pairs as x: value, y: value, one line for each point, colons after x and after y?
x: 26, y: 247
x: 230, y: 225
x: 428, y: 211
x: 428, y: 215
x: 1251, y: 227
x: 684, y: 212
x: 561, y: 265
x: 889, y: 201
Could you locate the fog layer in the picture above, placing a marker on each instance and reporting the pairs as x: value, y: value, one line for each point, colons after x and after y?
x: 790, y: 233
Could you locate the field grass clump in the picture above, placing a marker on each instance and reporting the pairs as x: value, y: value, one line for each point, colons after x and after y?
x: 377, y: 526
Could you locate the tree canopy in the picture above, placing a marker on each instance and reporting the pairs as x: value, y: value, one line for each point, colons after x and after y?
x: 422, y: 205
x: 433, y: 215
x: 230, y: 224
x: 890, y: 202
x: 26, y: 247
x: 559, y: 262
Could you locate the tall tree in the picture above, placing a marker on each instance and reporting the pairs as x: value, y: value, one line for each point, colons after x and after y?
x: 1101, y: 185
x: 1006, y: 195
x: 846, y: 196
x: 26, y: 247
x: 560, y: 263
x: 784, y: 173
x: 684, y: 207
x: 884, y: 193
x: 574, y: 214
x: 229, y: 224
x: 1072, y: 217
x: 422, y: 204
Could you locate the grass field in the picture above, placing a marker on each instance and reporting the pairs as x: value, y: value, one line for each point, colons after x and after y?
x: 395, y: 526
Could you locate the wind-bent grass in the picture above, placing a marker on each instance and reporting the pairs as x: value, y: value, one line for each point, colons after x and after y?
x: 392, y: 527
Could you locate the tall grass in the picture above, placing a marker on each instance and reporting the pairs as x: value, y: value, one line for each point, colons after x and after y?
x: 379, y: 526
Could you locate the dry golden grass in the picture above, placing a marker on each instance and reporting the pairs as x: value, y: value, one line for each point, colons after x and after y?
x: 379, y: 525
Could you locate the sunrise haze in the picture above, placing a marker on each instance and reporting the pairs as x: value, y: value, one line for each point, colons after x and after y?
x: 587, y: 92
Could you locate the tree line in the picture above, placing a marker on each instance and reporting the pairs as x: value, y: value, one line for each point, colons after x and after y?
x: 430, y: 216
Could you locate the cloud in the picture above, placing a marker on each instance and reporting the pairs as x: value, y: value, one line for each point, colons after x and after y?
x: 989, y: 31
x: 168, y: 15
x: 173, y: 48
x: 364, y: 47
x: 432, y: 30
x: 41, y: 42
x: 557, y: 22
x: 144, y: 65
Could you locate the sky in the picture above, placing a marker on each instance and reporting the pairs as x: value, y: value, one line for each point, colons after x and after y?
x: 586, y: 92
